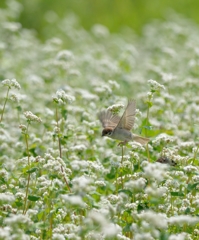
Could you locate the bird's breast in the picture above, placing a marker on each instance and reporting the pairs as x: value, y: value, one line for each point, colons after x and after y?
x: 122, y: 134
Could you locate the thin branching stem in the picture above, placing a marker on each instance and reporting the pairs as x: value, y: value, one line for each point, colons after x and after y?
x: 146, y: 133
x: 60, y: 150
x: 122, y: 165
x: 4, y: 106
x: 28, y: 183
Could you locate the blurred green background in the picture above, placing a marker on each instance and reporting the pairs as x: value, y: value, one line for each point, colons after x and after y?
x: 114, y: 14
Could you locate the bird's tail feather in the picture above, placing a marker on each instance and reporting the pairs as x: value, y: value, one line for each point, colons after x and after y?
x: 141, y: 140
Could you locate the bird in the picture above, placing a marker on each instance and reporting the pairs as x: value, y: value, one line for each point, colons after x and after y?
x: 119, y: 128
x: 166, y: 160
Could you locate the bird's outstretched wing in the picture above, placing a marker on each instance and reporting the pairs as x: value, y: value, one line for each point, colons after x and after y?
x: 128, y: 117
x: 108, y: 119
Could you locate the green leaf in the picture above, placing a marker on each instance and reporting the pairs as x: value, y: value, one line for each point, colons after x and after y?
x: 19, y: 108
x: 33, y: 198
x: 111, y: 174
x: 32, y: 170
x: 187, y: 211
x: 177, y: 194
x: 64, y: 113
x: 127, y: 192
x: 127, y: 228
x: 18, y: 203
x: 191, y: 187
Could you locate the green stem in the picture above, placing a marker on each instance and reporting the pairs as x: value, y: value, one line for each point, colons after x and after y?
x: 146, y: 133
x: 60, y: 150
x: 3, y: 110
x: 195, y: 154
x: 28, y: 183
x: 121, y: 165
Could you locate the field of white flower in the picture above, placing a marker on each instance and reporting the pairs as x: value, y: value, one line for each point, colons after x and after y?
x: 59, y: 178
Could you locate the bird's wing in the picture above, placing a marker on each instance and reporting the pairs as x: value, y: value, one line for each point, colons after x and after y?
x: 128, y: 117
x: 108, y: 119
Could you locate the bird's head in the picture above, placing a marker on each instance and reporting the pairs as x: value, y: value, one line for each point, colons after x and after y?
x: 107, y: 132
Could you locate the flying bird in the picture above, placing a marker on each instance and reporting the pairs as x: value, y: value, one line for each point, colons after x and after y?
x: 119, y: 128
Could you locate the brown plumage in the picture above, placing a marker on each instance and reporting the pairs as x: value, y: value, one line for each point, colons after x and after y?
x: 119, y: 127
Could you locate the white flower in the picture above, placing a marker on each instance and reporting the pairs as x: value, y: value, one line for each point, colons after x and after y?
x: 180, y: 236
x: 155, y: 85
x: 190, y: 169
x: 65, y: 55
x: 74, y: 200
x: 115, y: 108
x: 6, y: 197
x: 158, y: 220
x: 138, y: 184
x: 155, y: 171
x: 11, y: 83
x: 30, y: 116
x: 61, y: 97
x: 180, y: 220
x: 80, y: 147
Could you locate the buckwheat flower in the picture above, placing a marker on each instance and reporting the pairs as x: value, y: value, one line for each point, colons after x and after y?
x: 122, y: 237
x: 114, y: 199
x: 81, y: 183
x: 7, y: 197
x: 61, y: 97
x: 20, y: 195
x: 51, y: 166
x: 111, y: 230
x: 116, y: 108
x: 180, y: 159
x: 157, y: 220
x: 150, y: 95
x: 168, y: 77
x: 135, y: 156
x: 4, y: 174
x: 79, y: 165
x: 3, y: 187
x: 31, y: 117
x: 163, y: 138
x: 143, y: 236
x: 23, y: 127
x: 137, y: 185
x: 103, y: 89
x: 196, y: 232
x: 74, y: 200
x: 11, y: 83
x: 14, y: 98
x: 113, y: 84
x: 100, y: 183
x: 180, y: 220
x: 155, y: 85
x: 58, y: 236
x: 5, y: 232
x: 190, y: 144
x: 32, y: 212
x: 131, y: 206
x: 127, y: 164
x: 195, y: 178
x: 65, y: 55
x: 16, y: 220
x: 156, y: 191
x: 97, y: 217
x: 190, y: 169
x: 100, y: 31
x: 155, y: 171
x: 80, y: 147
